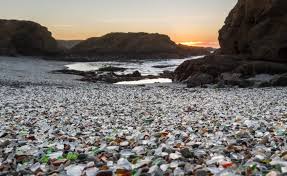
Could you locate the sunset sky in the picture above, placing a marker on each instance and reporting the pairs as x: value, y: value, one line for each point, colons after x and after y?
x: 193, y: 22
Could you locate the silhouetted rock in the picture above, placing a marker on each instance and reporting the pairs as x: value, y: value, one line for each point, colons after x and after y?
x: 253, y: 41
x: 257, y: 28
x: 108, y: 76
x: 136, y: 74
x: 280, y: 80
x: 228, y: 69
x: 111, y: 69
x: 194, y: 50
x: 167, y: 74
x: 209, y: 65
x: 133, y: 46
x: 68, y: 44
x: 26, y: 38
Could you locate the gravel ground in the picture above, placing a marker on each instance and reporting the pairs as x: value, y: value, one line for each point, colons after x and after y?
x: 55, y: 125
x: 14, y: 70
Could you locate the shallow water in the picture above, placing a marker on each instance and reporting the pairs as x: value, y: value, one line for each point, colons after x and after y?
x: 146, y: 81
x: 148, y: 67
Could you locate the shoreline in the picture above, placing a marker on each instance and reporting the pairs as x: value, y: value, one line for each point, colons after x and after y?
x: 54, y: 124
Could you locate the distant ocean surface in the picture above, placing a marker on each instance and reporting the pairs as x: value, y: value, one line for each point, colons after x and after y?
x: 148, y: 67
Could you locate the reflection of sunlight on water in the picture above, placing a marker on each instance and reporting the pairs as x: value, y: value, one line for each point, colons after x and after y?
x: 201, y: 44
x: 147, y: 67
x: 146, y: 81
x: 82, y: 67
x: 144, y: 67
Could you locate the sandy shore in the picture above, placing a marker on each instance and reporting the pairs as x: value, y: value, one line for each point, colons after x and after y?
x: 55, y: 124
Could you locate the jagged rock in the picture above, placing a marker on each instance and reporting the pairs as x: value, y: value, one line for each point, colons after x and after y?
x: 134, y: 46
x: 26, y: 38
x: 257, y: 28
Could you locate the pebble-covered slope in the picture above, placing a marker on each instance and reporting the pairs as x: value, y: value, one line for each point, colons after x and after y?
x: 106, y: 129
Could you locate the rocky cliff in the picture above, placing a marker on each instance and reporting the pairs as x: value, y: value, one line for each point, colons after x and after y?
x: 134, y: 45
x: 257, y: 28
x: 253, y: 41
x: 25, y: 38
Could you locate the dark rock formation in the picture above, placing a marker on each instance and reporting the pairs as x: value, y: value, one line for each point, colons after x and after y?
x: 133, y: 46
x: 68, y: 44
x: 253, y: 41
x: 111, y: 69
x: 199, y: 79
x: 257, y: 28
x: 25, y: 38
x: 280, y: 80
x: 110, y: 76
x: 209, y: 65
x: 185, y: 50
x: 228, y: 69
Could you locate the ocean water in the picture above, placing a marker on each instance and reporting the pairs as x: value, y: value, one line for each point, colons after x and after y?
x: 148, y: 67
x: 146, y: 81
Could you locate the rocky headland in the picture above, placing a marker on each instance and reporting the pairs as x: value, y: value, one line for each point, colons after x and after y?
x: 26, y: 38
x: 123, y: 46
x: 253, y: 41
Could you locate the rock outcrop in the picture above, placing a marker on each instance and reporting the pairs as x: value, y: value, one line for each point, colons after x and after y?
x: 26, y: 38
x: 225, y: 69
x: 257, y: 28
x: 253, y: 41
x: 135, y: 46
x: 67, y: 44
x: 109, y: 76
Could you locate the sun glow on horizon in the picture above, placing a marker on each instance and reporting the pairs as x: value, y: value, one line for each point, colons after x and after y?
x: 200, y: 44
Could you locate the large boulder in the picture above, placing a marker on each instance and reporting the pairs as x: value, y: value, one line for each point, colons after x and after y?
x: 26, y: 38
x: 212, y: 65
x: 257, y: 28
x: 229, y: 69
x: 135, y: 46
